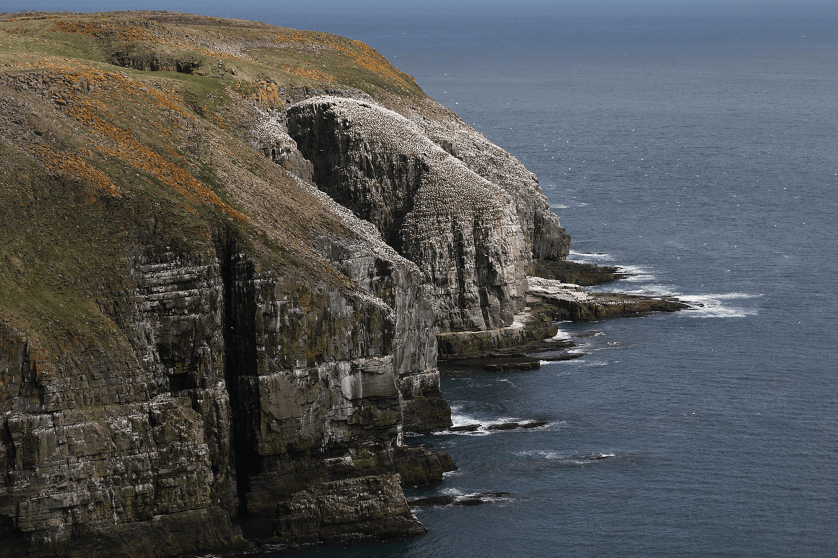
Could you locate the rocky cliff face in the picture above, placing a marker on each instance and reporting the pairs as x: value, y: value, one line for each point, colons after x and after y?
x: 193, y: 335
x: 546, y: 237
x: 234, y: 384
x: 428, y: 205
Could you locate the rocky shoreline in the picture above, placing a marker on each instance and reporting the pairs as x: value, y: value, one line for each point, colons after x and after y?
x: 529, y: 340
x: 235, y: 258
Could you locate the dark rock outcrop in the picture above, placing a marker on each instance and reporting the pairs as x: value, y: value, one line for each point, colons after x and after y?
x: 571, y: 302
x: 584, y: 274
x: 344, y: 511
x: 222, y: 361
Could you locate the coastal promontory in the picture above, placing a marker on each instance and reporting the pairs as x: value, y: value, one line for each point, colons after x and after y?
x: 231, y: 255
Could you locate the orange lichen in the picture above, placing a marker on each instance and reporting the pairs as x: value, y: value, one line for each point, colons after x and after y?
x: 308, y: 73
x: 97, y: 117
x: 361, y: 54
x: 73, y: 165
x: 122, y: 30
x: 265, y: 93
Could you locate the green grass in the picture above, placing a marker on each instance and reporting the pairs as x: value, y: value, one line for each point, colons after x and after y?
x: 66, y: 243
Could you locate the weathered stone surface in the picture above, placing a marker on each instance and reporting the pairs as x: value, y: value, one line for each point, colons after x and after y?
x: 363, y: 508
x: 270, y: 136
x: 585, y: 274
x: 528, y: 326
x: 456, y: 226
x: 572, y: 302
x: 545, y: 236
x: 398, y: 282
x: 418, y: 466
x: 226, y: 362
x: 132, y: 439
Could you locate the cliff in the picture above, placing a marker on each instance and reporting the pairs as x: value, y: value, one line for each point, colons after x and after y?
x: 227, y: 250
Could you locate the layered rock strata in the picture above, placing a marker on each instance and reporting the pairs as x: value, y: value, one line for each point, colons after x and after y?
x: 571, y: 302
x: 455, y: 225
x: 347, y: 511
x: 192, y: 337
x: 223, y: 362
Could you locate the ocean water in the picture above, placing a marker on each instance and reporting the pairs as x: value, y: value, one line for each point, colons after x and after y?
x: 697, y: 147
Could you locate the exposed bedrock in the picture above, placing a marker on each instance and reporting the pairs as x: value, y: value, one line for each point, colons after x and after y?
x: 399, y: 284
x: 460, y: 229
x: 546, y: 237
x: 127, y: 441
x: 232, y: 386
x: 348, y: 510
x: 271, y: 138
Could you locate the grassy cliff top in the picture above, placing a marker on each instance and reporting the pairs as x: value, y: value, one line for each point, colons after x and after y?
x: 129, y: 131
x: 243, y: 52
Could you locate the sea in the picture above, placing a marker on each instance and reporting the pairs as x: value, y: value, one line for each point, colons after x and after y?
x: 694, y: 145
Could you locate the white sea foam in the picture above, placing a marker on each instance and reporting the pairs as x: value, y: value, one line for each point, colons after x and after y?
x: 590, y: 256
x: 544, y: 454
x: 461, y: 419
x: 637, y: 273
x: 648, y: 290
x: 718, y: 305
x: 561, y: 335
x: 564, y: 458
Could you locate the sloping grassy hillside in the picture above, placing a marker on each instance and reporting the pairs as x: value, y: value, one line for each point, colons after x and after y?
x: 115, y: 124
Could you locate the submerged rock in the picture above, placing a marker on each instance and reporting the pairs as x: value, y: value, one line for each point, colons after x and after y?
x: 503, y: 426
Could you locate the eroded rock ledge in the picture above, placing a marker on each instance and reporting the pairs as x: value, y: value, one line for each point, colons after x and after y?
x: 529, y: 341
x: 571, y: 302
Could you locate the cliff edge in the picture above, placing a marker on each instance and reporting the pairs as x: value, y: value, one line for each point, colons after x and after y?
x: 227, y: 251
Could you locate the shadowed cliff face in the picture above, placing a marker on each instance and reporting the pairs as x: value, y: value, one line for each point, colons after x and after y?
x: 236, y: 387
x: 459, y: 228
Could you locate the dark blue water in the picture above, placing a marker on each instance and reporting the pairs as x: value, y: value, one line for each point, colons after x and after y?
x: 697, y: 146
